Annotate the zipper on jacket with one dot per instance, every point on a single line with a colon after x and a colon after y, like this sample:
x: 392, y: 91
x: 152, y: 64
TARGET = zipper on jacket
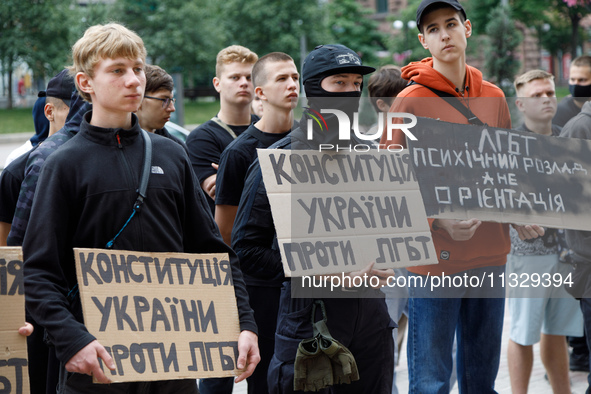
x: 119, y: 145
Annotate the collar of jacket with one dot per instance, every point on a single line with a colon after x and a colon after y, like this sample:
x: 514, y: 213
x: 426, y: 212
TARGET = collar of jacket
x: 110, y: 137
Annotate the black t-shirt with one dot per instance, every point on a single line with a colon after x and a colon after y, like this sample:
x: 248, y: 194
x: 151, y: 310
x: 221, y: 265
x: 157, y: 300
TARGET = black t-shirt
x: 236, y: 159
x: 206, y: 144
x: 11, y: 180
x: 567, y: 109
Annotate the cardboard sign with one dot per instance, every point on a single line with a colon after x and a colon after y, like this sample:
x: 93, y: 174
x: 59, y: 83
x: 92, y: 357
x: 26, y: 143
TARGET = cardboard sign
x: 160, y: 316
x: 337, y: 211
x: 14, y: 371
x: 502, y: 175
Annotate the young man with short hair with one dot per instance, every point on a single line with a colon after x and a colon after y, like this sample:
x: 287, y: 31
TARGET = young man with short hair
x: 276, y: 81
x: 579, y: 84
x: 158, y: 103
x: 206, y: 143
x: 84, y: 205
x: 57, y: 105
x: 464, y: 247
x: 554, y: 313
x: 579, y: 241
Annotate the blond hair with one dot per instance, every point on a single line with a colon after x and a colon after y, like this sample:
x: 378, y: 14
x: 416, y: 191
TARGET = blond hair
x: 529, y: 76
x: 234, y: 54
x: 100, y: 42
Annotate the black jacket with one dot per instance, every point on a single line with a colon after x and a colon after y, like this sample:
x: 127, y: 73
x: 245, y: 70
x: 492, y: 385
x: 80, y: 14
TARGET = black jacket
x: 85, y: 193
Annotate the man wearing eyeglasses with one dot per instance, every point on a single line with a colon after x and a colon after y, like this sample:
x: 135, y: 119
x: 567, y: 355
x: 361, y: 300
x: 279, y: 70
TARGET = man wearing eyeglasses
x: 158, y: 103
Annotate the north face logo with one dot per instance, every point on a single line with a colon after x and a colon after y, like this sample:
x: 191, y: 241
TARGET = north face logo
x: 348, y: 58
x: 157, y: 170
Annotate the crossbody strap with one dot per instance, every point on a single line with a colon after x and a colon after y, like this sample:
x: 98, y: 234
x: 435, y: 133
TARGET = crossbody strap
x: 143, y: 187
x: 455, y: 102
x: 224, y: 126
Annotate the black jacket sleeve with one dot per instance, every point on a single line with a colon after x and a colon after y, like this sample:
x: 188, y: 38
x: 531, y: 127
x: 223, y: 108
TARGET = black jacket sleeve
x: 253, y: 235
x: 202, y: 235
x: 49, y: 265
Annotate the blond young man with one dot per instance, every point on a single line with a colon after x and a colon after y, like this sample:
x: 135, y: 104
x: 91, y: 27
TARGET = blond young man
x: 554, y: 314
x: 85, y: 204
x: 233, y: 82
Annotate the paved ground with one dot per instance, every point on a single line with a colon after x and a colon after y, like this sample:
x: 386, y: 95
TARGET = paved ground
x: 9, y: 142
x: 538, y: 384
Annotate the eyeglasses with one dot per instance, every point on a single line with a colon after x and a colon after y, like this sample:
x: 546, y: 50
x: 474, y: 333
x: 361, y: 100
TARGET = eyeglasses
x: 165, y: 101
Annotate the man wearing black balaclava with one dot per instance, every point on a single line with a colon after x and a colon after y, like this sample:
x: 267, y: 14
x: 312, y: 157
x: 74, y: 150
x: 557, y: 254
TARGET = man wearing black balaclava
x: 333, y: 78
x: 579, y: 85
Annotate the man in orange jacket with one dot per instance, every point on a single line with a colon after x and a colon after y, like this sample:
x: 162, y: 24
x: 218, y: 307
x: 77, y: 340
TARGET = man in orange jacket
x: 469, y: 247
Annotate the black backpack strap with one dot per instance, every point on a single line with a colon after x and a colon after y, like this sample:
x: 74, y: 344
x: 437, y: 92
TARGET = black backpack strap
x: 455, y: 102
x: 143, y: 187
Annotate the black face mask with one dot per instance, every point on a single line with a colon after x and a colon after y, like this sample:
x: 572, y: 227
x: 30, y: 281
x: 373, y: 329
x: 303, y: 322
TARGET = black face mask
x: 318, y: 99
x: 580, y: 93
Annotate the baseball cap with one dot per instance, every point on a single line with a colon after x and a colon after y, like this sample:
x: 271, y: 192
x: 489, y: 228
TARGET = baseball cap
x: 331, y: 59
x: 61, y: 86
x: 427, y: 3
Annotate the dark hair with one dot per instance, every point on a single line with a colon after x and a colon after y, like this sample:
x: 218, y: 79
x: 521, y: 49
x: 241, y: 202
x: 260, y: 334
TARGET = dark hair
x: 157, y: 79
x: 259, y: 72
x: 387, y: 82
x: 439, y: 6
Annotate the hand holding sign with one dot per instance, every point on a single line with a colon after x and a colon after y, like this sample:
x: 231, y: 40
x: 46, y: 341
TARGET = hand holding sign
x: 26, y: 330
x: 529, y: 231
x: 369, y: 271
x: 458, y: 230
x: 248, y: 354
x: 86, y: 362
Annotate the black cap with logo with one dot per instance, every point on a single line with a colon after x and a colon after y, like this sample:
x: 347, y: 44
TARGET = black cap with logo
x: 61, y: 86
x: 427, y: 3
x: 331, y: 59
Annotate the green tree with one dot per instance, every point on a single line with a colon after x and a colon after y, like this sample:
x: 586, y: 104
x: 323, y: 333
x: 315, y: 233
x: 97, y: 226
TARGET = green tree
x: 504, y: 38
x: 274, y: 25
x: 180, y: 36
x: 405, y: 44
x: 556, y: 21
x: 349, y: 24
x: 36, y: 32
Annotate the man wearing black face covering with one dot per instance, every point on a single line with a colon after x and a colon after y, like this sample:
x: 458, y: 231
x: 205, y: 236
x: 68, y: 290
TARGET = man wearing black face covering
x: 579, y: 85
x: 332, y: 77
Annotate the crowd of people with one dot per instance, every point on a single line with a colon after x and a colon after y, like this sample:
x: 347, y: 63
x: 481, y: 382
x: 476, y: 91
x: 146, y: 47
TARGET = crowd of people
x: 76, y: 182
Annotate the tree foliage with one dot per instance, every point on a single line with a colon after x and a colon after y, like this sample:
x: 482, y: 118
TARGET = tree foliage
x: 556, y: 21
x: 180, y: 36
x: 404, y: 43
x: 349, y: 25
x: 504, y: 37
x: 37, y: 32
x: 274, y: 25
